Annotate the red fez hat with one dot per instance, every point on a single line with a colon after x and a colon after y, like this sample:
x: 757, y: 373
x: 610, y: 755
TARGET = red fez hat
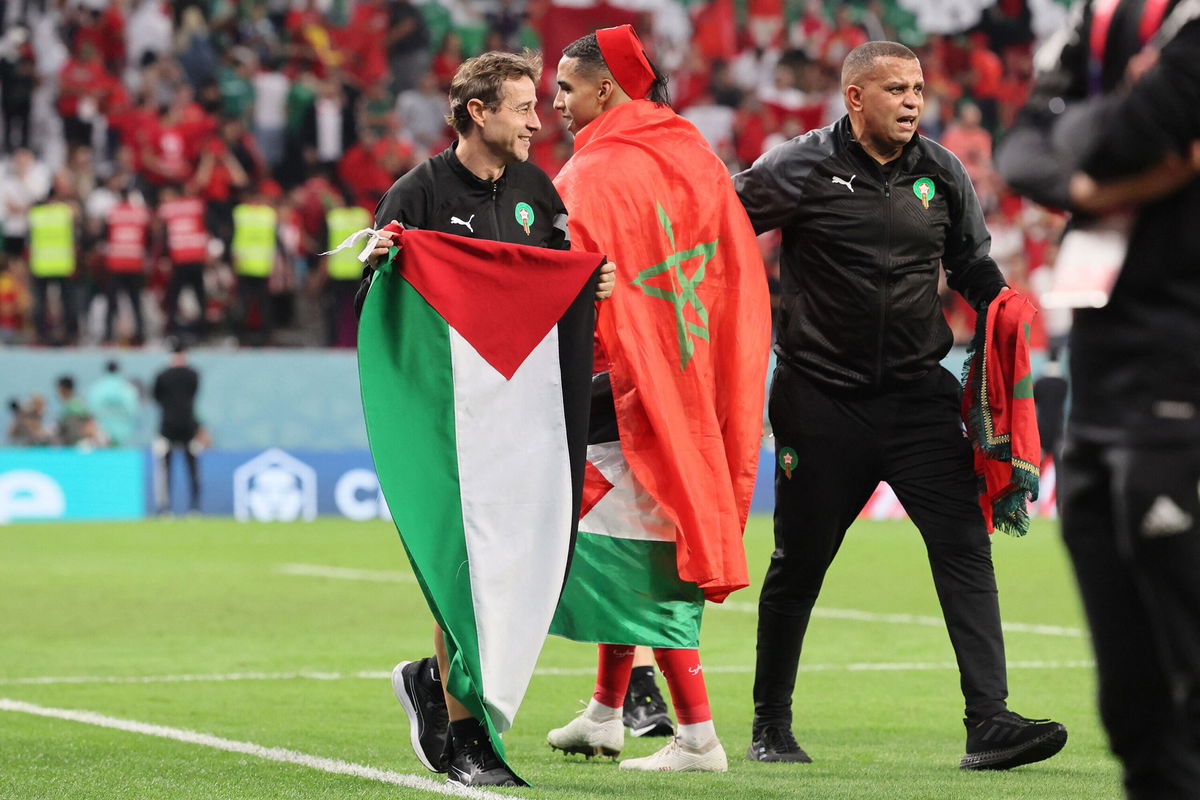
x: 626, y: 58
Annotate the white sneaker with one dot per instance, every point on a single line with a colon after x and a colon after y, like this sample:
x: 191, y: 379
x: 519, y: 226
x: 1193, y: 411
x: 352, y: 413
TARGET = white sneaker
x: 590, y: 738
x: 679, y: 757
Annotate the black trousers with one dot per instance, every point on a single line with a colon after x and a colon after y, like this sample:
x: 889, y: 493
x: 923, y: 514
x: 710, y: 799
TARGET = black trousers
x: 186, y: 275
x: 1131, y: 521
x: 67, y: 290
x: 841, y: 448
x: 165, y: 448
x: 341, y: 326
x: 130, y: 284
x: 254, y: 292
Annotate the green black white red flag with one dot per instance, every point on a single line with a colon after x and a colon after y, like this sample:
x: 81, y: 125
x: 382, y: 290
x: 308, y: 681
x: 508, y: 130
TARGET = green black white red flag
x: 475, y: 367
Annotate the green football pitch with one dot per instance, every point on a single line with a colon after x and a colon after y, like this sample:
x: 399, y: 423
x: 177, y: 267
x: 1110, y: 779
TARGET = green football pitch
x: 202, y: 658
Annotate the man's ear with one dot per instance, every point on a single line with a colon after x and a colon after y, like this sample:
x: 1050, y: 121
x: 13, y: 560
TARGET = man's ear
x: 475, y: 108
x: 854, y: 96
x: 604, y: 90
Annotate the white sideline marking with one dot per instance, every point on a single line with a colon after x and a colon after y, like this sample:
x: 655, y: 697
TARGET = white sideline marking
x: 279, y: 754
x: 388, y: 576
x: 907, y: 619
x: 347, y: 573
x: 551, y: 672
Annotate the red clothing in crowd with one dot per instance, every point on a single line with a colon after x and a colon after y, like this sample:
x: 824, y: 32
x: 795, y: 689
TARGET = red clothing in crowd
x: 80, y: 79
x: 219, y: 186
x: 127, y: 226
x: 167, y: 158
x: 369, y: 170
x: 107, y: 36
x: 187, y: 235
x: 364, y: 36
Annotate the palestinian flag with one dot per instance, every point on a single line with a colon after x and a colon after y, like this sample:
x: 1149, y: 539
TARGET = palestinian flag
x: 475, y: 368
x: 624, y: 586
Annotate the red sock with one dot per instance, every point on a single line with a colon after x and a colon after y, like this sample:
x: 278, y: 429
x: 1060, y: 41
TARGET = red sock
x: 685, y: 679
x: 612, y: 674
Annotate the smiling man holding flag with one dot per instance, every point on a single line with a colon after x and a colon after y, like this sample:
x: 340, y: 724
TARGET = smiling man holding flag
x: 475, y: 362
x: 681, y: 352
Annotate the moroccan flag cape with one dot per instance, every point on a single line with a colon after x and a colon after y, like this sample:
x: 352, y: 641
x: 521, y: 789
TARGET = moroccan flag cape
x: 686, y: 333
x: 475, y: 366
x: 999, y: 413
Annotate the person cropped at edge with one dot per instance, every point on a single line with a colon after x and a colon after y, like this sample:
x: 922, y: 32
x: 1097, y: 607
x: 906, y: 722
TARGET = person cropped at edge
x: 869, y: 209
x: 477, y: 188
x: 1131, y: 464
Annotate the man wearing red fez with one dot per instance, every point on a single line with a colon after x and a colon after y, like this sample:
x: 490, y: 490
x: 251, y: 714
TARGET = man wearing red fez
x: 681, y: 356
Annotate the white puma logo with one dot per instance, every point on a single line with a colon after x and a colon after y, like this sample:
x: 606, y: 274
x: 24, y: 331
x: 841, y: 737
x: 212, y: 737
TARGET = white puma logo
x: 845, y: 182
x: 466, y: 224
x: 695, y: 670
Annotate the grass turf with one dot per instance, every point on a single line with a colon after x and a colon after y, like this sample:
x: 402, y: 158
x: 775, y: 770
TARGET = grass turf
x: 877, y: 701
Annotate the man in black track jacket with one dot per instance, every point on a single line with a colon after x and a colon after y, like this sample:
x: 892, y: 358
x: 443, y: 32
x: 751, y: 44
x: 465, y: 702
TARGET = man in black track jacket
x: 869, y: 211
x: 481, y: 187
x: 1130, y: 472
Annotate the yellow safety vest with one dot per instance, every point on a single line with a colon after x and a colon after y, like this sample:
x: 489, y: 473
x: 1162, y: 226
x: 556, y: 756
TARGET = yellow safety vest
x: 342, y: 222
x: 253, y: 240
x: 51, y: 241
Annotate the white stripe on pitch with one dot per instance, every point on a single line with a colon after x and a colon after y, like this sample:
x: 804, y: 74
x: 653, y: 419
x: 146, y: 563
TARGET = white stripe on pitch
x: 347, y: 573
x: 548, y: 672
x: 279, y: 754
x: 906, y: 619
x: 852, y: 614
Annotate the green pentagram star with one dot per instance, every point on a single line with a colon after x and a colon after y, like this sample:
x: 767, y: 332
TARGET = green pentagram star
x: 682, y: 291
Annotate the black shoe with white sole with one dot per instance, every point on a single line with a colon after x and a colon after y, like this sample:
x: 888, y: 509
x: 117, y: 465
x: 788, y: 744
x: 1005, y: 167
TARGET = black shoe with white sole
x: 418, y: 687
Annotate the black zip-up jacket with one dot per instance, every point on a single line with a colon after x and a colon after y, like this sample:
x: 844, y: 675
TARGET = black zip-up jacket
x: 861, y: 251
x: 1135, y: 363
x: 440, y: 194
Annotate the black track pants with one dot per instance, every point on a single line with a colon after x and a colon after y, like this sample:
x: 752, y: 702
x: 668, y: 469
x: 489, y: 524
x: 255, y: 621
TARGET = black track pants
x: 843, y: 447
x: 1131, y: 521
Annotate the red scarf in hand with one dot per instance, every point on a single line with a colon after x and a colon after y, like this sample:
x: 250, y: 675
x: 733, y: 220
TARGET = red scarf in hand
x: 998, y: 410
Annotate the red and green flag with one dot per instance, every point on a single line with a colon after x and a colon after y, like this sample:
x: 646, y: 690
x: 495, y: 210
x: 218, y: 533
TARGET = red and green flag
x: 685, y: 338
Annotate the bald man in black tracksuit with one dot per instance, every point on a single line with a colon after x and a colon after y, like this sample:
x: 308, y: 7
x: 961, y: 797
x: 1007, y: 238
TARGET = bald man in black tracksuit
x: 869, y: 211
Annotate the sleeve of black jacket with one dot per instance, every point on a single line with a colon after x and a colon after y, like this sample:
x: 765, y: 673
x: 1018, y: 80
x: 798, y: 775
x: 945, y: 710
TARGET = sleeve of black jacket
x: 1160, y: 115
x: 1030, y: 158
x: 402, y: 203
x: 772, y: 189
x: 970, y: 269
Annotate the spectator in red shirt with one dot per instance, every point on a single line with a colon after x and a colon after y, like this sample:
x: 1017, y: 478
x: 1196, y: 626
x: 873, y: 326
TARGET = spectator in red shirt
x: 365, y: 35
x: 846, y: 35
x: 370, y: 168
x: 83, y: 85
x: 182, y: 231
x: 229, y: 160
x: 447, y: 59
x: 125, y: 255
x: 971, y: 142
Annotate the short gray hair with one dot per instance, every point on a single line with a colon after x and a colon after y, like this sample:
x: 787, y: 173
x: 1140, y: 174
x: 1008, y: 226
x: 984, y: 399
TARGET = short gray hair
x: 862, y: 59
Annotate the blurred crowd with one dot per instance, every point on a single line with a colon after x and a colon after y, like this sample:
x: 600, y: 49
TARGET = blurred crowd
x: 107, y: 414
x: 174, y: 168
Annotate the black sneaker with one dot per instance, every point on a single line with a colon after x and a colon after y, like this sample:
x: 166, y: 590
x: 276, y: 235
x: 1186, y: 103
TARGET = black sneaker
x: 776, y: 743
x: 418, y: 687
x: 1009, y: 740
x: 476, y: 764
x: 645, y: 713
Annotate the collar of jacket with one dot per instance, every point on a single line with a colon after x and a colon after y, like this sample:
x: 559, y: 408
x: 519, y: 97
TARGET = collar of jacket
x: 468, y: 177
x: 908, y: 156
